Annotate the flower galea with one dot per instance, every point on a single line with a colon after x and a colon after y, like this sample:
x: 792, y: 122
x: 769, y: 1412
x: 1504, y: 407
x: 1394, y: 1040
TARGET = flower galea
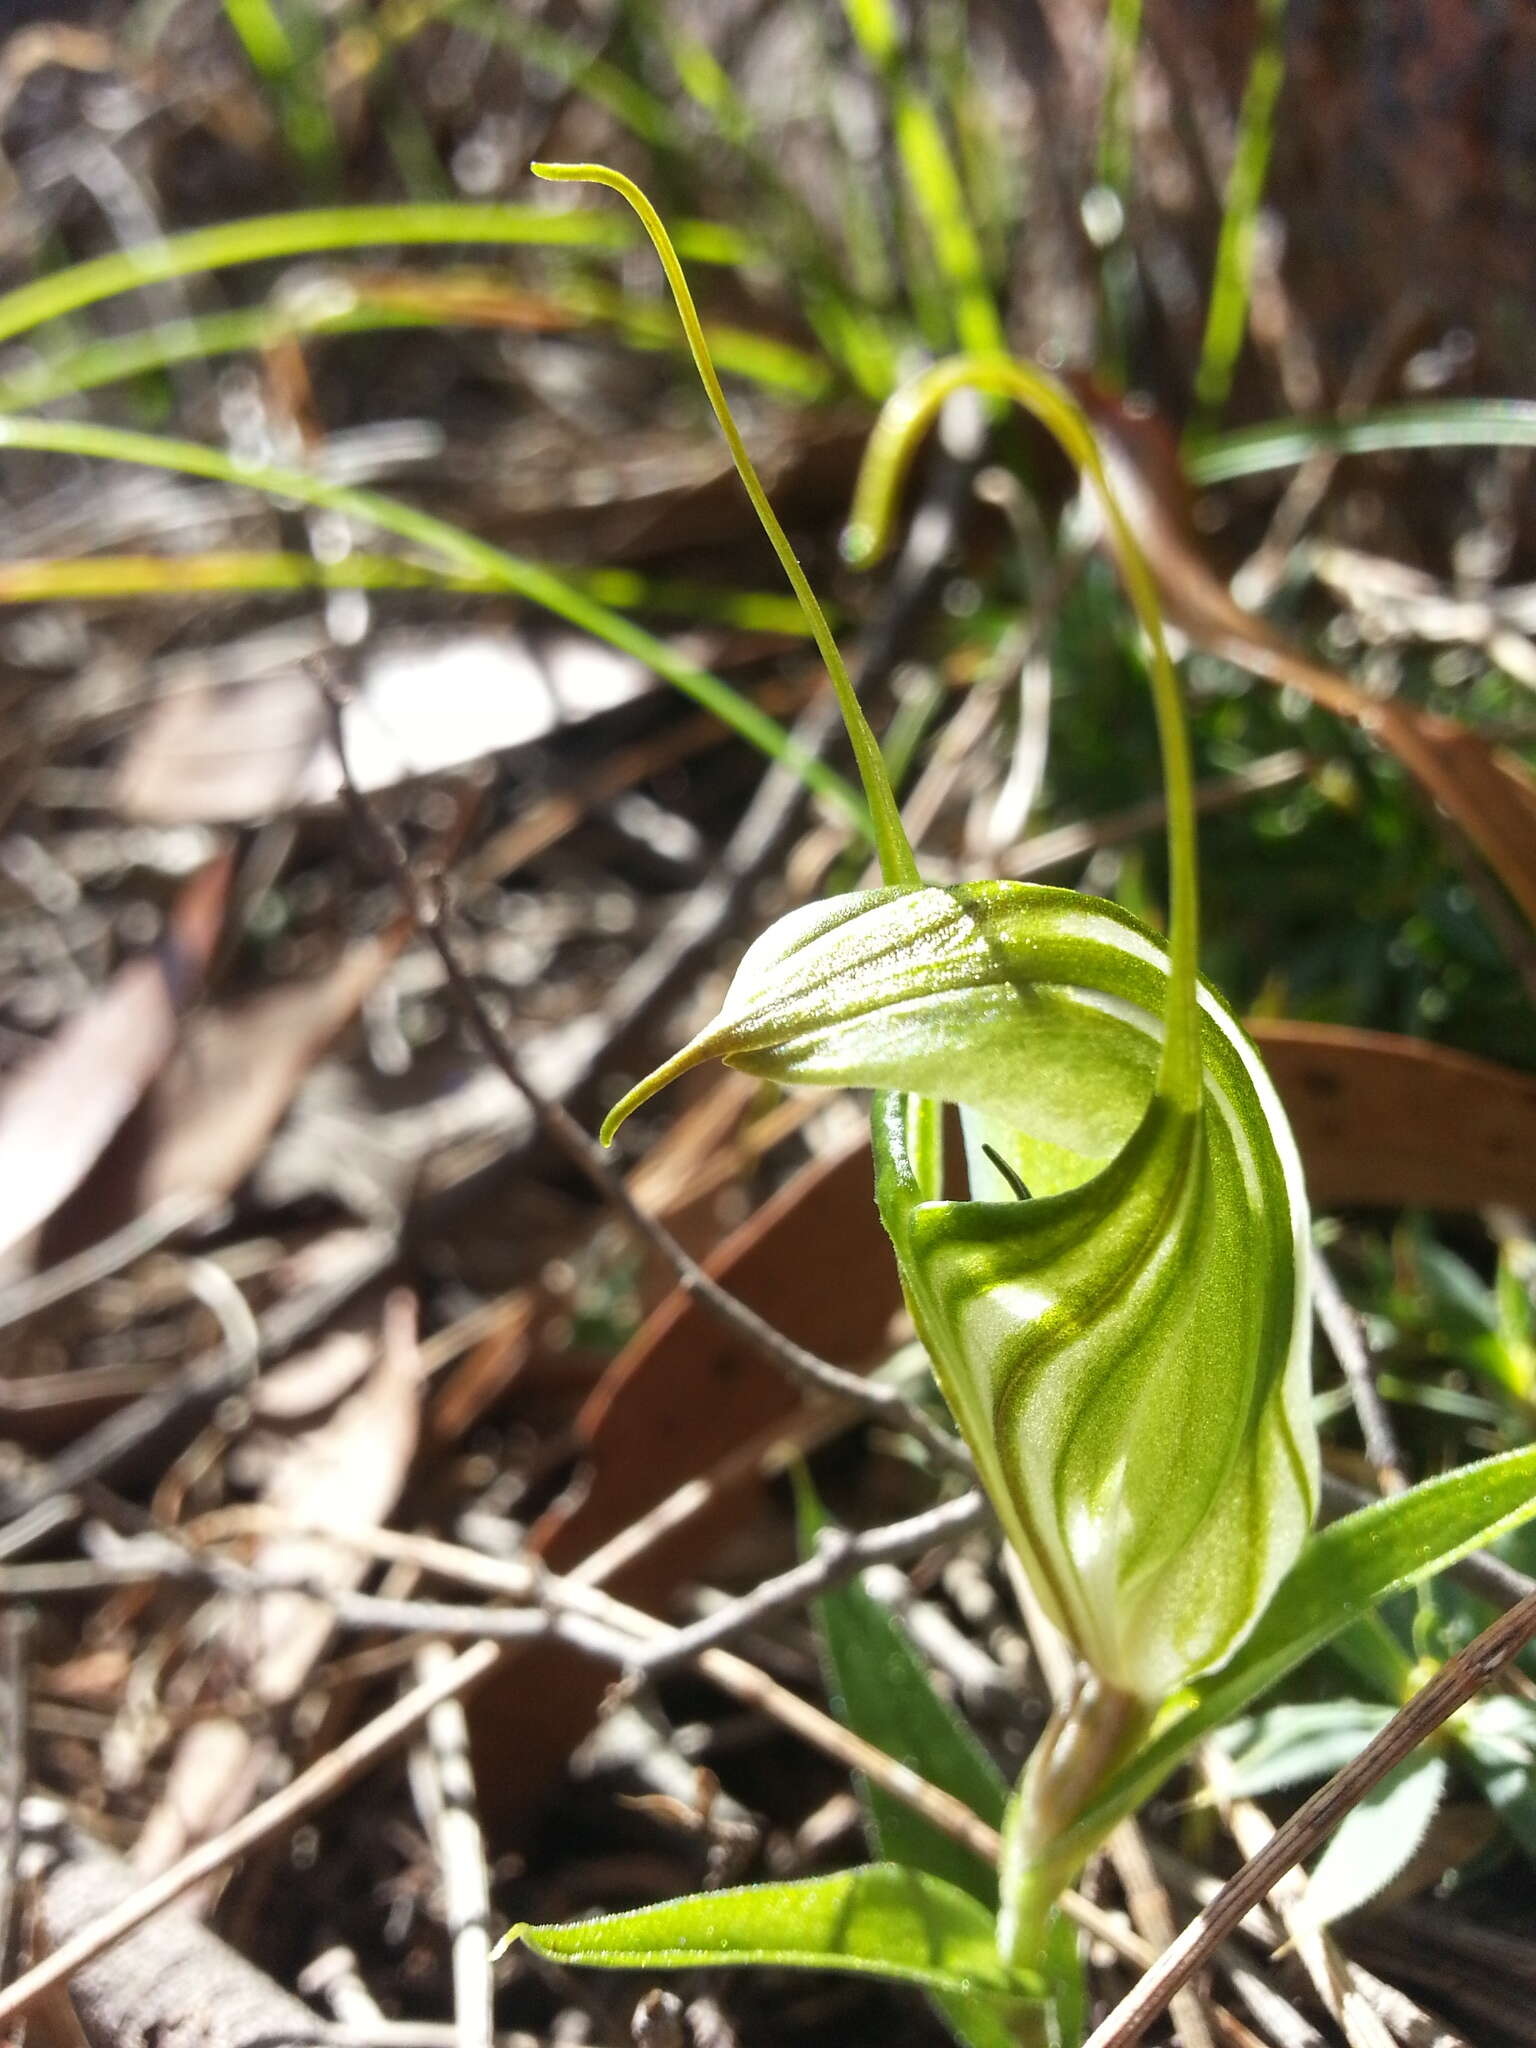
x: 1118, y: 1314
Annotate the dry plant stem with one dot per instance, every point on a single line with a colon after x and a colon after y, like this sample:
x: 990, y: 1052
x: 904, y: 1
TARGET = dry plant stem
x: 800, y: 1366
x: 1152, y: 1916
x: 839, y: 1556
x: 442, y: 1771
x: 1341, y: 1326
x: 15, y: 1643
x: 99, y: 1261
x: 1451, y: 1687
x: 155, y: 1557
x: 1334, y: 1977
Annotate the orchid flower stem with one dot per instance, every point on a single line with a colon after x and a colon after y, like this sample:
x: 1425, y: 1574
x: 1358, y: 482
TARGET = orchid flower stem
x: 898, y: 433
x: 898, y: 864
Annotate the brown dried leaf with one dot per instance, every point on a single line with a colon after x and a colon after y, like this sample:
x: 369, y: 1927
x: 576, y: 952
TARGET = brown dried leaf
x: 682, y: 1395
x: 236, y: 751
x: 1485, y: 789
x: 205, y: 1121
x: 61, y: 1110
x: 1399, y: 1122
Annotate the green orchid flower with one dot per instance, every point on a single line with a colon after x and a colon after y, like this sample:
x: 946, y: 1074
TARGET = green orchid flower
x: 1118, y: 1314
x: 1125, y: 1348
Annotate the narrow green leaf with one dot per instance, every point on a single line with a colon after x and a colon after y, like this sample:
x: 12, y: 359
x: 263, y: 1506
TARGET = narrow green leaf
x: 1294, y: 1744
x: 1341, y: 1574
x: 933, y: 180
x: 532, y: 580
x: 1498, y: 1747
x: 881, y: 1690
x: 275, y: 236
x: 349, y: 304
x: 1227, y: 314
x: 1376, y: 1841
x: 880, y: 1921
x: 1117, y: 129
x: 1437, y: 423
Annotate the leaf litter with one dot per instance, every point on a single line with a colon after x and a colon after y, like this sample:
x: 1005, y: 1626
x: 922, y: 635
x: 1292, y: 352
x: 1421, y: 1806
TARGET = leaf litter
x: 559, y: 1386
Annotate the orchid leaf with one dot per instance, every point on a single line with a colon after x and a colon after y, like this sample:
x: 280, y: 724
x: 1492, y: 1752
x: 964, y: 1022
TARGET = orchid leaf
x: 1341, y: 1574
x: 881, y: 1921
x: 1376, y: 1841
x: 1293, y: 1745
x: 881, y: 1689
x: 1498, y: 1748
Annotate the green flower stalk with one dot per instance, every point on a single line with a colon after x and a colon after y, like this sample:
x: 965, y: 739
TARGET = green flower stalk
x: 1117, y: 1315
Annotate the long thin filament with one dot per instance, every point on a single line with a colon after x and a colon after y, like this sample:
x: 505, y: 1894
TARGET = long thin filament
x: 897, y: 861
x: 898, y: 433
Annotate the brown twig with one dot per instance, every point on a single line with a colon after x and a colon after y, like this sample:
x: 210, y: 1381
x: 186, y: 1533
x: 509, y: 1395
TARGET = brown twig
x: 443, y: 1778
x: 1341, y: 1326
x: 1337, y: 1981
x: 840, y: 1555
x: 1451, y: 1687
x: 15, y: 1643
x: 802, y: 1367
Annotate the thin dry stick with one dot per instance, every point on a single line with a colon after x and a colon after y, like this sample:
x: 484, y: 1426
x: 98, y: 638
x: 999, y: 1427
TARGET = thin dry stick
x: 839, y: 1556
x: 15, y: 1644
x: 1451, y: 1687
x: 800, y: 1366
x: 1341, y: 1326
x: 1334, y: 1977
x: 310, y: 1788
x: 1152, y: 1915
x: 99, y: 1261
x: 444, y: 1779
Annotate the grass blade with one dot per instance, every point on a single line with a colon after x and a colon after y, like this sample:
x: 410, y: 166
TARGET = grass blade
x: 319, y: 230
x: 1436, y: 423
x: 530, y: 580
x: 1226, y: 319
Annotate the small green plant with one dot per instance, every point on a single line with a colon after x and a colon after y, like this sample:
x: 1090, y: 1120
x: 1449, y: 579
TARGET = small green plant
x: 1117, y: 1316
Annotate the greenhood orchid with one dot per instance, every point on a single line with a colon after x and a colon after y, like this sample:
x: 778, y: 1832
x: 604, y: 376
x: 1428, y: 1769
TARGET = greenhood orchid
x: 1125, y: 1352
x: 1118, y: 1315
